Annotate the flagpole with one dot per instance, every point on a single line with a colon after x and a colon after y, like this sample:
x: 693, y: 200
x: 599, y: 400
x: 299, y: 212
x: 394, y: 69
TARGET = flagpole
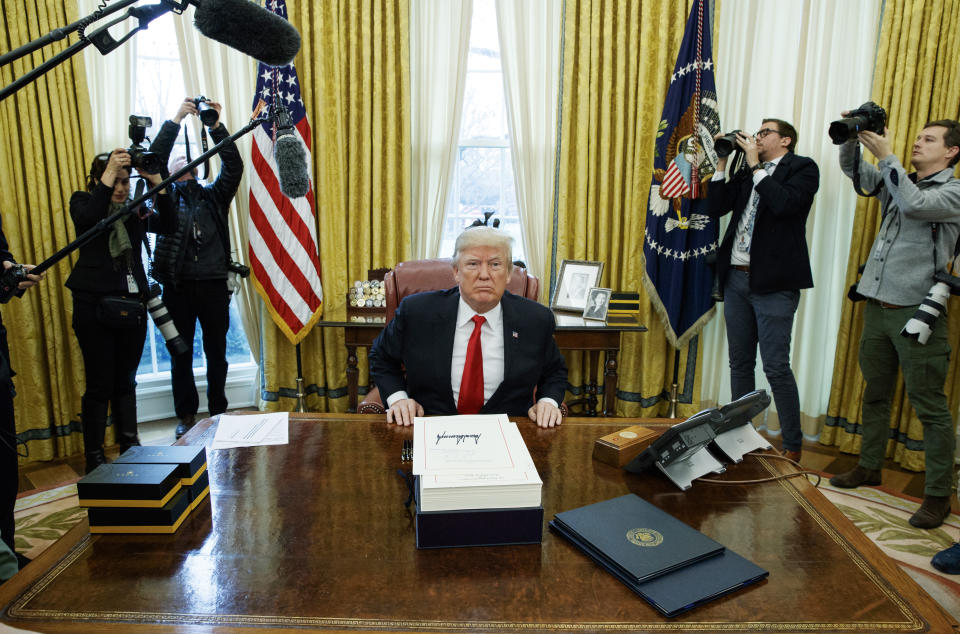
x: 673, y: 388
x: 301, y: 407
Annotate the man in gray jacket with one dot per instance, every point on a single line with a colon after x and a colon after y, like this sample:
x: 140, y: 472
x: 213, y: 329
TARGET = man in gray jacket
x: 921, y: 221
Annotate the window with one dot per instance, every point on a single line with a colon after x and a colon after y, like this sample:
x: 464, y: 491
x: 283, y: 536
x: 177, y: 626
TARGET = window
x: 159, y: 99
x: 483, y: 175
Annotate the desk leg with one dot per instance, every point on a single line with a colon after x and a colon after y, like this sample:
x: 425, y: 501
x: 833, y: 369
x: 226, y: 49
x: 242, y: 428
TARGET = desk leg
x: 591, y: 405
x: 610, y: 383
x: 353, y: 376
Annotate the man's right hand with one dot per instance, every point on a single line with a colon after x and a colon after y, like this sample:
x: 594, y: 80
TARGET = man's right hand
x: 403, y: 412
x: 187, y: 107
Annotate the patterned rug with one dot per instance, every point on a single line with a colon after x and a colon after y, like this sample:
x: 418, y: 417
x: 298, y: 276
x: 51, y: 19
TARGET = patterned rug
x: 44, y: 516
x: 884, y: 517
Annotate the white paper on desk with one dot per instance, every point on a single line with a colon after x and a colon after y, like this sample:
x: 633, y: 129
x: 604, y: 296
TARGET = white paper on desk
x: 251, y: 430
x: 447, y: 444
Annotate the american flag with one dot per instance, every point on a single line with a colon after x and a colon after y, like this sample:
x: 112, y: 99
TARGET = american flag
x: 283, y: 252
x: 679, y: 235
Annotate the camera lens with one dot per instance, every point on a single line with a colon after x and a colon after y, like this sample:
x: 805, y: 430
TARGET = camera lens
x: 725, y: 145
x: 208, y: 115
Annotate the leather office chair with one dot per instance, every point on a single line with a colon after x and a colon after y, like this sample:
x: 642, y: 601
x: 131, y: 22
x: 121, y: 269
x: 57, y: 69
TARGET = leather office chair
x: 417, y: 276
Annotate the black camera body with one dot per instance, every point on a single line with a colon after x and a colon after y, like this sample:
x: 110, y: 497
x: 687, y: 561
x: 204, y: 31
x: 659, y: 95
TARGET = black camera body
x: 869, y: 116
x: 10, y: 281
x: 208, y: 114
x: 140, y: 158
x: 727, y: 144
x: 238, y: 269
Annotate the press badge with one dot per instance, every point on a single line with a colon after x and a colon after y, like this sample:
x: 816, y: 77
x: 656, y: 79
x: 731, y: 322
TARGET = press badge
x: 132, y: 284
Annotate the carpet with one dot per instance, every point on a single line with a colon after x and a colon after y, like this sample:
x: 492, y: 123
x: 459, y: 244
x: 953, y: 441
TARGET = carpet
x: 884, y: 517
x: 43, y: 517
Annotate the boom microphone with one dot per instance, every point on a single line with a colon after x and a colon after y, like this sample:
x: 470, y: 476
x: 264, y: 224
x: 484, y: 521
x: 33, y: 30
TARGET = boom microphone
x: 249, y: 28
x: 291, y: 157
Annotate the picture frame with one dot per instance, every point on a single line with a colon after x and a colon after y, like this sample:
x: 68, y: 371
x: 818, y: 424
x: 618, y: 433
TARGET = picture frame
x: 598, y: 302
x: 576, y: 278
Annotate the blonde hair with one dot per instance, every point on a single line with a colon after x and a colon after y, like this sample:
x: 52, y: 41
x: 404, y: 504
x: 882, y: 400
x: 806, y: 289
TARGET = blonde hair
x: 484, y: 237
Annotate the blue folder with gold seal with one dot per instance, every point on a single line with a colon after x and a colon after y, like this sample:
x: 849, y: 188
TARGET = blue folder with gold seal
x: 635, y: 537
x: 670, y: 587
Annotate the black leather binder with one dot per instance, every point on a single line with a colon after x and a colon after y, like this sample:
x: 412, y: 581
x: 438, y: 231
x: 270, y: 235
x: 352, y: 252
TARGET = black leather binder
x: 634, y: 537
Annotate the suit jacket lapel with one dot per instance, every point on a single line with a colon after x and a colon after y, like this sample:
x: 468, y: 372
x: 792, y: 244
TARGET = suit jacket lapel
x: 511, y: 325
x: 445, y: 326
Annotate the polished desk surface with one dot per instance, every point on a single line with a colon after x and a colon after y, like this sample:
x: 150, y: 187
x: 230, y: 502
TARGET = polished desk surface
x: 314, y: 534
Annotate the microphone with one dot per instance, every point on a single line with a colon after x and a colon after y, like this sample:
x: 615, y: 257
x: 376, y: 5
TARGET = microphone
x: 248, y: 28
x: 290, y: 155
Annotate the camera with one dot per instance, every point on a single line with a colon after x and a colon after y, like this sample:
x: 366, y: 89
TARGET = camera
x: 208, y: 114
x: 164, y: 322
x: 140, y: 158
x: 727, y: 144
x: 236, y: 270
x: 869, y: 116
x: 10, y: 281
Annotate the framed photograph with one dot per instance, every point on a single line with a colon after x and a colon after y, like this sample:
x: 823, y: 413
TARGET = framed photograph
x: 576, y: 278
x: 598, y: 301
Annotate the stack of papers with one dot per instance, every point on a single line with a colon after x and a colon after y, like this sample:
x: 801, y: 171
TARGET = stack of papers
x: 251, y: 430
x: 473, y: 462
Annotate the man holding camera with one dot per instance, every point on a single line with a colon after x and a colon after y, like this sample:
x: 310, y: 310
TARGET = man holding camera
x: 9, y: 476
x: 762, y: 262
x: 192, y: 263
x: 921, y: 221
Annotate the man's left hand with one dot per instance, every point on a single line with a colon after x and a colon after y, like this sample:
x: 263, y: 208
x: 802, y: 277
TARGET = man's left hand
x: 749, y: 146
x: 545, y: 414
x: 878, y: 145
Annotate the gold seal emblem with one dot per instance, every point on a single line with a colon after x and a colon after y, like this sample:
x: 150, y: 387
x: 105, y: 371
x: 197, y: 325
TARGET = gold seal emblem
x: 645, y: 537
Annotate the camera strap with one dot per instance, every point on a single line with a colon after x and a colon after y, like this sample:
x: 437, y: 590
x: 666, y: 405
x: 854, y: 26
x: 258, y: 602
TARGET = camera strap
x: 856, y: 178
x: 203, y: 144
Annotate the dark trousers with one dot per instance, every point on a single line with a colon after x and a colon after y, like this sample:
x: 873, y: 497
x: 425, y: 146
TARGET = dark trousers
x: 9, y: 476
x: 206, y: 301
x: 110, y: 355
x: 883, y: 352
x: 763, y: 320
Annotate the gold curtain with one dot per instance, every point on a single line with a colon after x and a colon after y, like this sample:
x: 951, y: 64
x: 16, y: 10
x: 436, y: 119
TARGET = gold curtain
x: 916, y: 79
x: 45, y: 148
x: 355, y: 76
x: 617, y: 61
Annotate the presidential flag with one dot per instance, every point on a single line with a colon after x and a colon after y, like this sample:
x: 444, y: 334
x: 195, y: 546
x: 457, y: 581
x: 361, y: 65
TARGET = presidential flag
x: 283, y: 252
x: 679, y: 236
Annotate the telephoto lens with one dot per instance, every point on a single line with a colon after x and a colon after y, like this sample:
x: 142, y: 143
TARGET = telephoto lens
x: 921, y: 324
x: 164, y: 322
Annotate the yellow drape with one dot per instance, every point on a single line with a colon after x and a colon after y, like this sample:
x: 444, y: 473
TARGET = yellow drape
x: 44, y: 150
x: 355, y: 76
x: 617, y: 61
x: 917, y: 79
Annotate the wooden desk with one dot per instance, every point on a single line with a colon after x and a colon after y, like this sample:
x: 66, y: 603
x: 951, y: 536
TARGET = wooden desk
x: 314, y: 534
x: 572, y: 333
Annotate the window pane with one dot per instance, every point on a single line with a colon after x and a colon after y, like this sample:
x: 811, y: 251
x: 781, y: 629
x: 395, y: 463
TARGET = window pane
x: 484, y: 112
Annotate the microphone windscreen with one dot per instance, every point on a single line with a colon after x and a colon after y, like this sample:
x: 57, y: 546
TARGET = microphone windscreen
x: 249, y: 28
x: 291, y: 159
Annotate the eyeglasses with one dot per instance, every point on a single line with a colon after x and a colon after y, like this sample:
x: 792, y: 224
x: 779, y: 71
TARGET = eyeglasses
x: 765, y: 131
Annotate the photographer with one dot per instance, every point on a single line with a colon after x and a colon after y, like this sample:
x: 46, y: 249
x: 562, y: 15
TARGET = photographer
x: 109, y: 284
x: 762, y: 262
x: 921, y: 221
x: 192, y: 264
x: 9, y: 477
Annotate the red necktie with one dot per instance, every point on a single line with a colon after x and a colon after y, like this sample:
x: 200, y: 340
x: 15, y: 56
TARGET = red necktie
x: 471, y: 385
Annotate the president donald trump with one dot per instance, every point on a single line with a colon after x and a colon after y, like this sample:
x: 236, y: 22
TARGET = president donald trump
x: 475, y: 348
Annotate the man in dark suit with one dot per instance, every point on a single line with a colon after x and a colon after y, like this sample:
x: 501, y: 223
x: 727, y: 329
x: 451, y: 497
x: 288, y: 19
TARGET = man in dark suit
x: 475, y: 348
x: 762, y: 262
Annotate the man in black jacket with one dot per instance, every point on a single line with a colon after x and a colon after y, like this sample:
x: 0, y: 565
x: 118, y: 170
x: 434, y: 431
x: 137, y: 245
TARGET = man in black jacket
x: 191, y: 264
x: 9, y: 477
x: 763, y: 262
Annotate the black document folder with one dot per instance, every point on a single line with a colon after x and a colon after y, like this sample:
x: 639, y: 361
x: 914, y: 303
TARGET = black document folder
x: 687, y: 587
x: 634, y: 537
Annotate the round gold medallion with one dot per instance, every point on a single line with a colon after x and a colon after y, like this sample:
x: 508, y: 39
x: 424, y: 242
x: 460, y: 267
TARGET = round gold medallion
x: 645, y: 537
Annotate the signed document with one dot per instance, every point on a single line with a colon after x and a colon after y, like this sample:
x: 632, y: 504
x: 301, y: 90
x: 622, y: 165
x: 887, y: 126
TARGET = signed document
x: 473, y: 462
